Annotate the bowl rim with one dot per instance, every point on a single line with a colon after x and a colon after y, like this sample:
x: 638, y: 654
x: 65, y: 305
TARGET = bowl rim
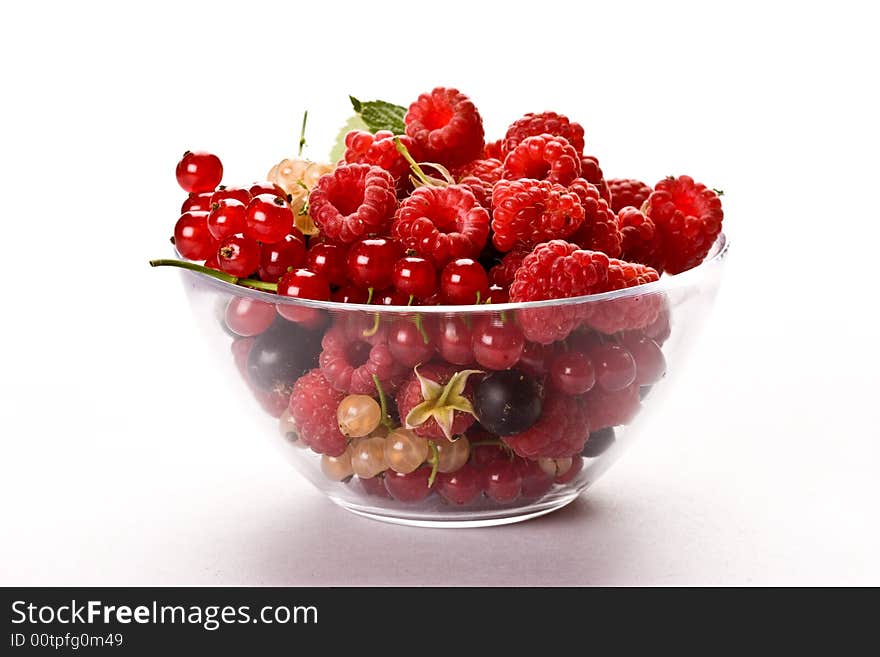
x: 713, y: 260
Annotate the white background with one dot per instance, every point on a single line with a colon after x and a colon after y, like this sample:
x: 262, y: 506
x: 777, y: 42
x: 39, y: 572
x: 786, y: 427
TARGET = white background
x: 126, y: 461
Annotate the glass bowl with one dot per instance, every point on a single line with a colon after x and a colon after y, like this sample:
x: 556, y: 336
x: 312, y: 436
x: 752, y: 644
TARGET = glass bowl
x: 512, y: 362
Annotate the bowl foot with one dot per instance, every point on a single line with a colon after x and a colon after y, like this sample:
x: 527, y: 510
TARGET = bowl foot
x: 460, y: 518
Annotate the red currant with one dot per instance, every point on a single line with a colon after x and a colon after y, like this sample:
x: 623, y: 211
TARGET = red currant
x: 371, y: 262
x: 199, y: 171
x: 329, y: 260
x: 389, y: 297
x: 350, y: 294
x: 374, y: 486
x: 503, y: 480
x: 464, y: 282
x: 536, y: 358
x: 269, y: 218
x: 535, y: 482
x: 267, y: 187
x: 650, y: 363
x: 410, y: 342
x: 497, y: 344
x: 454, y: 340
x: 411, y: 487
x: 615, y: 366
x: 192, y: 238
x: 415, y: 276
x: 227, y: 217
x: 460, y: 487
x: 240, y: 350
x: 211, y: 262
x: 197, y: 202
x: 498, y: 294
x: 303, y: 284
x: 239, y: 256
x: 246, y: 316
x: 277, y: 258
x: 572, y: 373
x: 660, y: 330
x: 224, y: 192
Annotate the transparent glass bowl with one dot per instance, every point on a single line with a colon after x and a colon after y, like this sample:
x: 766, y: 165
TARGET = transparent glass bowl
x: 266, y: 365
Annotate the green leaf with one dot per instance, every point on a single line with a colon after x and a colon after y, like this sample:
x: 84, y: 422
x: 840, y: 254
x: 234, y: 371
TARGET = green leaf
x: 354, y: 123
x: 380, y: 115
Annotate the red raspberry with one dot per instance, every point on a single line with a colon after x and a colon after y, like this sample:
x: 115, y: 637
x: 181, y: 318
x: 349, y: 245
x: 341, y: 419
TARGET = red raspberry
x: 313, y: 404
x: 350, y: 359
x: 599, y: 231
x: 549, y: 123
x: 442, y: 224
x: 353, y: 201
x: 446, y: 126
x: 688, y: 216
x: 610, y: 409
x: 410, y: 395
x: 591, y: 172
x: 533, y: 211
x: 556, y: 270
x: 639, y: 238
x: 487, y: 170
x: 361, y: 147
x: 543, y: 157
x: 627, y: 191
x: 628, y: 313
x: 492, y: 149
x: 561, y: 431
x: 503, y: 273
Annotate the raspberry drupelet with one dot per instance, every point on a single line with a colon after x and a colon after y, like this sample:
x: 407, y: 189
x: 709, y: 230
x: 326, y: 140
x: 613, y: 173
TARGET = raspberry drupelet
x: 561, y: 431
x: 591, y: 172
x: 599, y: 230
x: 639, y: 238
x: 351, y: 355
x: 446, y: 127
x: 379, y: 149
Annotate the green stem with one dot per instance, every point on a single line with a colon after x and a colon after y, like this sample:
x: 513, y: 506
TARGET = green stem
x: 383, y: 403
x: 373, y: 329
x: 302, y: 134
x: 435, y: 462
x: 213, y: 273
x: 421, y: 326
x: 420, y: 174
x: 369, y: 295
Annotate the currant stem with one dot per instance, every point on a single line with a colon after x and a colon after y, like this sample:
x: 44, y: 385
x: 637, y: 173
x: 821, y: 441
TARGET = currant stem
x: 302, y: 134
x: 421, y: 326
x: 373, y: 329
x: 383, y: 403
x: 369, y: 295
x: 435, y: 462
x: 213, y: 273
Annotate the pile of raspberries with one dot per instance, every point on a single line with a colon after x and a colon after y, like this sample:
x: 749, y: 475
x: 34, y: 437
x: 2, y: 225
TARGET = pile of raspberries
x: 509, y: 199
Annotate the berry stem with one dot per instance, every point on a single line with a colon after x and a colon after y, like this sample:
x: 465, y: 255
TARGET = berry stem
x: 421, y: 326
x: 302, y: 134
x: 403, y: 150
x: 435, y: 462
x: 213, y: 273
x: 383, y: 403
x: 367, y: 333
x: 370, y: 295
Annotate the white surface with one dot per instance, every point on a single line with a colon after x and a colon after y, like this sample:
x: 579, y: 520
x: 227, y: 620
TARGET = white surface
x: 125, y: 462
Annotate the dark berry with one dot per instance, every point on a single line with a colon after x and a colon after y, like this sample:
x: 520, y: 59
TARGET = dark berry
x: 282, y: 354
x: 598, y: 442
x: 508, y: 402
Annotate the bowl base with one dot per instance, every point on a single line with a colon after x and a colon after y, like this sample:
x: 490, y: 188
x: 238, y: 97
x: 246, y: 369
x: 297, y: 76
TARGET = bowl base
x: 460, y: 519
